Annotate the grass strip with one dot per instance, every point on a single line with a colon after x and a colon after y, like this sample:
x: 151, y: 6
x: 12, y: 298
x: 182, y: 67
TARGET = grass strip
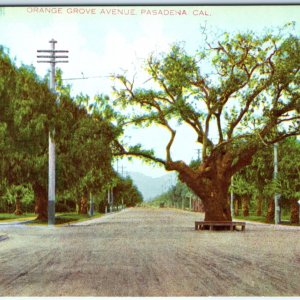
x: 65, y: 218
x: 4, y: 217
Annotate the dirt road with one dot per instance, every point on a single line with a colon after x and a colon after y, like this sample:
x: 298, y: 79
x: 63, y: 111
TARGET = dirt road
x: 149, y: 252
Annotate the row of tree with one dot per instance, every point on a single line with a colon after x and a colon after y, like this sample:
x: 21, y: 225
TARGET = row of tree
x: 255, y: 186
x: 177, y: 196
x: 84, y: 136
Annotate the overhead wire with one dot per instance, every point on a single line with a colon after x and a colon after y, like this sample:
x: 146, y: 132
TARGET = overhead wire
x: 85, y: 77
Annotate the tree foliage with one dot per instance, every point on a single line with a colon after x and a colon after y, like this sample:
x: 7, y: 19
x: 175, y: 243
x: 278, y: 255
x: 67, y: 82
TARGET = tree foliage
x: 125, y: 192
x: 258, y: 178
x: 83, y: 135
x: 27, y: 107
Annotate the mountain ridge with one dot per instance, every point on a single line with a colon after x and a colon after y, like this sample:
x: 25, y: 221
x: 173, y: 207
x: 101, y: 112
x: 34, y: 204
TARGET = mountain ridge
x: 151, y: 187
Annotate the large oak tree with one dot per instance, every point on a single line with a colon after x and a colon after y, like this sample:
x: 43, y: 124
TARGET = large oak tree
x: 245, y: 86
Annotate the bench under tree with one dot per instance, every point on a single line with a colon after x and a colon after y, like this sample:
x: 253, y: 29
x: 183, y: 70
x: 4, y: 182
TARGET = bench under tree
x: 221, y: 225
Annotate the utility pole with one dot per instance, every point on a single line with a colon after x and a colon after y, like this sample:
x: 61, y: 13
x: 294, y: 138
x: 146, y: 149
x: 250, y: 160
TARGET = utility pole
x: 91, y: 205
x: 117, y: 165
x: 276, y: 197
x: 52, y: 59
x: 109, y: 200
x: 198, y: 153
x: 112, y: 198
x: 123, y: 171
x: 299, y: 210
x: 232, y: 199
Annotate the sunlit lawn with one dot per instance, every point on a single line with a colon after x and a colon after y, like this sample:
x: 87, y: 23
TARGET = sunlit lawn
x: 12, y: 217
x: 60, y: 218
x: 64, y: 218
x: 262, y: 219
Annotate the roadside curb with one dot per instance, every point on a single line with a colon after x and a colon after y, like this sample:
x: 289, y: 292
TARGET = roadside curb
x: 3, y: 237
x: 272, y: 226
x: 103, y: 217
x: 15, y: 223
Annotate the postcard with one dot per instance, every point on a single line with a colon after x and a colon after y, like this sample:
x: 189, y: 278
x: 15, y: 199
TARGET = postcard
x: 149, y: 150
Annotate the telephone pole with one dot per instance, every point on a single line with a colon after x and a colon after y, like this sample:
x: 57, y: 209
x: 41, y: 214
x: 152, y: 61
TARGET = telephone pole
x: 123, y: 172
x: 276, y: 197
x: 110, y: 199
x: 91, y: 211
x: 51, y: 58
x: 198, y: 153
x: 232, y: 199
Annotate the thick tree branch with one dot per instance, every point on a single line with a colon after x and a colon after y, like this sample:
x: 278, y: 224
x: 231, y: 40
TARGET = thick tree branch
x: 181, y: 167
x: 283, y: 136
x: 169, y: 145
x: 220, y: 132
x: 121, y: 151
x: 244, y: 158
x: 141, y: 155
x: 205, y: 140
x: 274, y: 118
x: 288, y: 119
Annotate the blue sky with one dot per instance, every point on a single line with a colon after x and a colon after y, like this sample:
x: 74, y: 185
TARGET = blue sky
x: 105, y: 43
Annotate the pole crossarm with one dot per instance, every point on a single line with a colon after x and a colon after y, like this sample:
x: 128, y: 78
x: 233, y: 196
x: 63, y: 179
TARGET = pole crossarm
x: 53, y: 51
x: 46, y: 61
x: 52, y: 55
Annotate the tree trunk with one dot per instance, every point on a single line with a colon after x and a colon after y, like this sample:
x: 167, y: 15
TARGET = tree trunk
x: 213, y: 189
x: 245, y: 203
x: 18, y: 210
x: 294, y: 211
x: 271, y: 211
x: 84, y: 205
x: 236, y: 207
x: 41, y: 202
x: 217, y: 210
x: 215, y: 202
x: 259, y: 206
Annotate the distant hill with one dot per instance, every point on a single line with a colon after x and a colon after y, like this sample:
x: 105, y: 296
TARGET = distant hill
x: 151, y: 187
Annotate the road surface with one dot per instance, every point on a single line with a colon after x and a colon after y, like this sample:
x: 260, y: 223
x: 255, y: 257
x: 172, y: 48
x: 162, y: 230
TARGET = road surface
x: 149, y: 252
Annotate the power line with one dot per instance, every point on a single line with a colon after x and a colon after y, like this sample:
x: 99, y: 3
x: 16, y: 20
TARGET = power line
x: 85, y: 77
